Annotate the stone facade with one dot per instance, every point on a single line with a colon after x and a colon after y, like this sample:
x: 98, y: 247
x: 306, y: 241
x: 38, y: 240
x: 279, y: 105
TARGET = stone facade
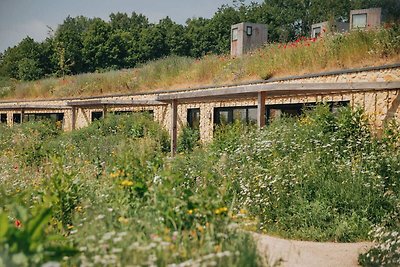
x: 380, y: 105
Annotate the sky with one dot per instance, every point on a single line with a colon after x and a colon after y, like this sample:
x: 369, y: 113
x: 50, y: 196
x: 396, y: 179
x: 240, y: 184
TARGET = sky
x: 21, y: 18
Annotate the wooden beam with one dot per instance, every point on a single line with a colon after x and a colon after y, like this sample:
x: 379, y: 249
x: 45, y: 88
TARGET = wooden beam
x: 174, y: 124
x: 279, y: 88
x: 261, y: 109
x: 32, y: 107
x: 112, y: 102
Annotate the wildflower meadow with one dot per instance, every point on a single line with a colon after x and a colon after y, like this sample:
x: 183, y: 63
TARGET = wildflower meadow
x: 110, y: 194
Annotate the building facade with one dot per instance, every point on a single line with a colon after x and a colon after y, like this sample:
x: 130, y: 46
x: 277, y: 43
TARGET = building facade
x: 375, y: 89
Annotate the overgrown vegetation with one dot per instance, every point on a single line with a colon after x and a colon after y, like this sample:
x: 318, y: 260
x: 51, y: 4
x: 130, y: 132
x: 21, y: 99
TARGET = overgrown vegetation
x: 304, y: 55
x: 111, y: 191
x: 117, y: 198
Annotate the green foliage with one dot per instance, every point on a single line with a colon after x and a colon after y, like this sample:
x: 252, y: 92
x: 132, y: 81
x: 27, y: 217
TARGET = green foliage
x: 28, y: 70
x: 311, y: 178
x: 334, y: 51
x: 81, y: 44
x: 188, y: 140
x: 25, y: 242
x: 115, y: 194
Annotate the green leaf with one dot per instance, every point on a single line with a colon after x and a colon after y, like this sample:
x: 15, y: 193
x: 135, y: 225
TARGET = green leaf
x: 3, y: 225
x: 35, y: 226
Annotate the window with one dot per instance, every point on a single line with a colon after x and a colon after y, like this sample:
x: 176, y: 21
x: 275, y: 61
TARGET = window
x: 289, y: 110
x: 3, y: 118
x: 231, y: 114
x: 54, y: 117
x: 249, y: 30
x: 336, y: 105
x: 234, y: 34
x: 359, y: 20
x: 193, y: 118
x: 128, y: 112
x: 228, y: 115
x: 316, y: 32
x: 16, y: 118
x: 97, y: 115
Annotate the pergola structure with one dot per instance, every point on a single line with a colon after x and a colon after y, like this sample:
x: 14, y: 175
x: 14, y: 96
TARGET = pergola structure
x: 105, y: 103
x: 24, y: 107
x: 260, y: 92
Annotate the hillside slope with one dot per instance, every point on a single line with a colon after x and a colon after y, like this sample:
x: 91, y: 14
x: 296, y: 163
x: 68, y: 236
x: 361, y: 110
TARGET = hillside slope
x: 336, y: 51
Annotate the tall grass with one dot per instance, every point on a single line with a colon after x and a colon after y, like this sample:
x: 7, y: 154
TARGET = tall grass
x: 334, y: 51
x: 112, y: 192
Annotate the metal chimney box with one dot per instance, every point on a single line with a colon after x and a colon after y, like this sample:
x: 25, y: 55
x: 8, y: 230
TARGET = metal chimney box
x: 247, y: 36
x: 365, y: 18
x: 320, y: 29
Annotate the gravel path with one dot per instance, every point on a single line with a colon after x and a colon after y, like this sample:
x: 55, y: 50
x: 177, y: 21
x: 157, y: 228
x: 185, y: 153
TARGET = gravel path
x: 302, y: 253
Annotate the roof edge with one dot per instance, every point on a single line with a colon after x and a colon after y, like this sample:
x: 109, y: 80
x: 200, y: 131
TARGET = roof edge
x: 260, y: 81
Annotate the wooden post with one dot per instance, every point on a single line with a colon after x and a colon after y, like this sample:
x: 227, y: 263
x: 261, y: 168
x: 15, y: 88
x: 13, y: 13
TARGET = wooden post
x: 261, y: 109
x: 22, y: 115
x: 73, y: 117
x: 104, y: 111
x: 174, y: 123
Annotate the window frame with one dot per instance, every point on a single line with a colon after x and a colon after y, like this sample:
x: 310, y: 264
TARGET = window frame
x: 235, y: 34
x: 249, y: 30
x: 316, y: 34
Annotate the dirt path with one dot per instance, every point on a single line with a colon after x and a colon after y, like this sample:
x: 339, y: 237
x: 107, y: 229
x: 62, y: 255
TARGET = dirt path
x: 310, y: 254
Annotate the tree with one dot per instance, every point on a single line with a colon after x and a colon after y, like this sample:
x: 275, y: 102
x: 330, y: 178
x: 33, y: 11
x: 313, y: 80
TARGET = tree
x: 220, y: 28
x: 29, y: 70
x: 200, y: 37
x: 95, y: 49
x: 68, y: 45
x: 175, y: 39
x: 26, y: 49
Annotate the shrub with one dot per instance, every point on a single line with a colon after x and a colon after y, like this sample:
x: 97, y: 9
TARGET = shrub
x: 188, y: 140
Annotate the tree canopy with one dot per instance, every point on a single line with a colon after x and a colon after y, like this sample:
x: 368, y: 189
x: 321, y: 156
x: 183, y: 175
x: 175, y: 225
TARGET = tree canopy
x: 83, y: 44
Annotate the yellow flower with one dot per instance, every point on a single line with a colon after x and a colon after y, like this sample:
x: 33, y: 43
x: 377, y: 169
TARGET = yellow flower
x: 221, y: 210
x: 190, y: 212
x: 126, y: 183
x: 123, y: 220
x: 78, y: 208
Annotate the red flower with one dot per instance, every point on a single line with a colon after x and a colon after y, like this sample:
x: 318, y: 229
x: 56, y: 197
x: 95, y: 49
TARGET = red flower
x: 18, y: 223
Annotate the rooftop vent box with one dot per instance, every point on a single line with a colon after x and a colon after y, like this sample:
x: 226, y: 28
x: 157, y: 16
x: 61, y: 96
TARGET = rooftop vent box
x: 247, y: 36
x: 365, y: 18
x: 320, y: 29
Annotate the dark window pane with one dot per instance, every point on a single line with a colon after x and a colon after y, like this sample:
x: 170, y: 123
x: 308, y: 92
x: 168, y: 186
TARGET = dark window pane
x: 239, y: 114
x: 252, y: 115
x: 97, y: 115
x: 359, y: 20
x: 3, y: 118
x: 17, y: 118
x: 193, y: 118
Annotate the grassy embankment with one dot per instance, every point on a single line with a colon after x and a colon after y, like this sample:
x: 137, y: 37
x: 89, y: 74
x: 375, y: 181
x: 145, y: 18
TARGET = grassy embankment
x: 117, y: 198
x: 355, y: 49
